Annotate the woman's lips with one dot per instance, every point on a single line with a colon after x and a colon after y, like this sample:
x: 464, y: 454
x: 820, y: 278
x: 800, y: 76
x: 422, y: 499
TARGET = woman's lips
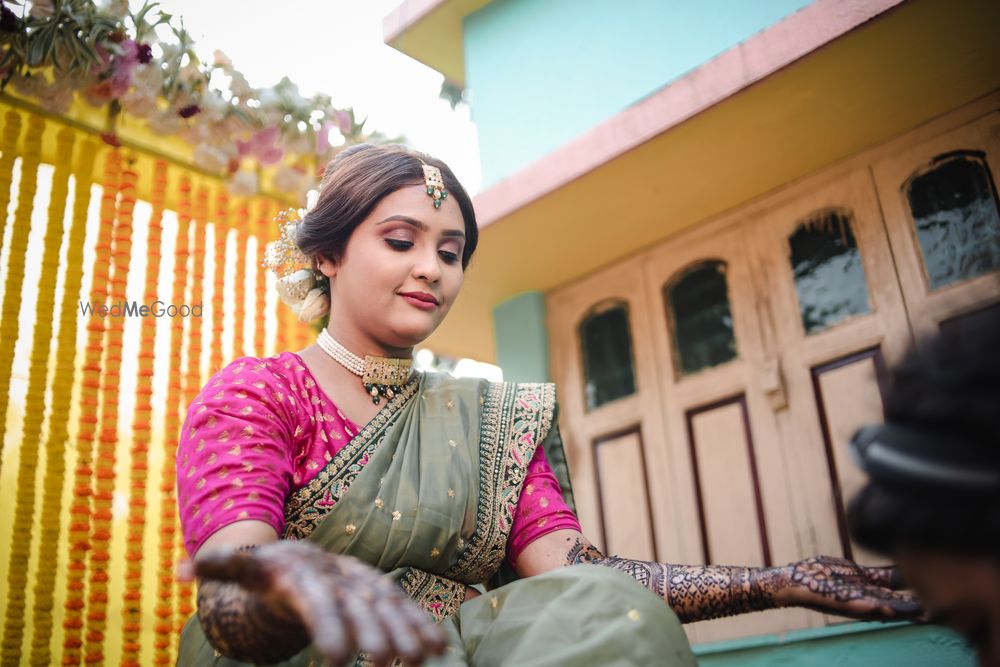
x: 423, y: 302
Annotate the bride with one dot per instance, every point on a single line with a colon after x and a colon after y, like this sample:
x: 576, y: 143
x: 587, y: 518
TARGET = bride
x: 339, y: 506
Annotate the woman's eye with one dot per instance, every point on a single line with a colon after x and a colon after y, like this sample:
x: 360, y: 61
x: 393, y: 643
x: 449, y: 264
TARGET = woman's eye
x: 448, y: 257
x: 396, y: 244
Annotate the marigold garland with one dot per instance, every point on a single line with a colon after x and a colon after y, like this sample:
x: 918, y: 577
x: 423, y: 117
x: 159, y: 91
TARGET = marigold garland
x: 142, y: 430
x: 11, y: 132
x: 219, y: 274
x: 264, y: 236
x: 108, y: 440
x: 175, y: 396
x: 193, y: 382
x: 90, y: 415
x: 8, y: 147
x: 24, y: 509
x: 241, y: 233
x: 55, y: 462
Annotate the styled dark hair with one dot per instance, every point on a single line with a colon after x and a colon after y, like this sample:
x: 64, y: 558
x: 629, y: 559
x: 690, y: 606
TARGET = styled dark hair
x: 948, y: 389
x: 356, y: 181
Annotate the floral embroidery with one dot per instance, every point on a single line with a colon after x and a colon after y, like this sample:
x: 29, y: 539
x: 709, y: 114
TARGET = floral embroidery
x: 515, y: 418
x: 440, y: 596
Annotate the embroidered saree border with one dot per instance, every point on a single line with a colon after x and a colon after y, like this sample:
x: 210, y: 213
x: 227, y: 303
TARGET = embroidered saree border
x: 302, y: 513
x: 439, y: 596
x: 516, y: 418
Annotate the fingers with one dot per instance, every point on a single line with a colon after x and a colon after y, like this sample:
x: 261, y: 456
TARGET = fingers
x: 433, y: 637
x: 903, y: 605
x: 886, y: 577
x: 321, y: 614
x: 369, y: 633
x: 405, y: 638
x: 884, y: 604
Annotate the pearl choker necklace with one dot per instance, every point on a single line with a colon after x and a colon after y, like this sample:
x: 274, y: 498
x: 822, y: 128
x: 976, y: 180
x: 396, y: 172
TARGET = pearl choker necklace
x: 381, y: 376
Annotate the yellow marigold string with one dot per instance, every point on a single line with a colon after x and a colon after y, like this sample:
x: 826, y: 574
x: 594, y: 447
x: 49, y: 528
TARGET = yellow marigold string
x: 24, y: 508
x: 240, y: 312
x: 142, y: 432
x: 108, y: 440
x: 9, y: 326
x: 8, y: 146
x: 175, y: 397
x: 55, y: 462
x: 219, y: 275
x: 264, y: 236
x: 79, y: 527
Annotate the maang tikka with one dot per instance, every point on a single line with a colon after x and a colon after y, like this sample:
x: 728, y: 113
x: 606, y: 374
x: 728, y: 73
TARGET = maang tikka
x: 435, y: 184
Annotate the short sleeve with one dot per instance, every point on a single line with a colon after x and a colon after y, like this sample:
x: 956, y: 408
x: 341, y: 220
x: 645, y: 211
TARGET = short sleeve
x: 541, y: 508
x: 234, y: 457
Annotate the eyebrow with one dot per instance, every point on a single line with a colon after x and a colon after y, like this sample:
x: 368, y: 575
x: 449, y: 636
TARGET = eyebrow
x: 420, y: 225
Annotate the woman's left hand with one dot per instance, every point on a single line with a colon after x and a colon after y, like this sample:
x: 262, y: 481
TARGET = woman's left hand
x: 839, y: 586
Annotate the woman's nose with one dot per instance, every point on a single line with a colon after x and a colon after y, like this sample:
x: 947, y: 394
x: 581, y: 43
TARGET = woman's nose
x: 428, y: 266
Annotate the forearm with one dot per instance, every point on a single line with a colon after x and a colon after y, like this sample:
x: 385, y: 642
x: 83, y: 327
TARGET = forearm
x: 695, y: 592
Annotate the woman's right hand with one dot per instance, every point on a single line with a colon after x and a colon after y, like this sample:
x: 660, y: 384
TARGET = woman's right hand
x: 345, y: 605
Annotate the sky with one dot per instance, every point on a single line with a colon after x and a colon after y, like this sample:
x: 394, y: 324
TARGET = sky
x: 336, y: 47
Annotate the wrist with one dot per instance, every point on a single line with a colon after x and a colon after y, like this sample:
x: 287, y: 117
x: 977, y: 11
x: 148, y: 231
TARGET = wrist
x: 776, y: 585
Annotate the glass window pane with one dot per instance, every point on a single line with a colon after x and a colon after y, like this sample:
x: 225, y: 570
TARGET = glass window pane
x: 826, y: 263
x: 954, y: 206
x: 607, y: 356
x: 703, y: 327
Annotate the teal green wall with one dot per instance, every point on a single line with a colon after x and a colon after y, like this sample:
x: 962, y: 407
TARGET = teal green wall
x: 540, y: 73
x: 522, y: 339
x: 845, y: 645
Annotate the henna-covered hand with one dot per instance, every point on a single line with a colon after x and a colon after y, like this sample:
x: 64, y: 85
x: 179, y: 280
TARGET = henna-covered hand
x: 267, y: 604
x: 701, y: 592
x: 839, y: 586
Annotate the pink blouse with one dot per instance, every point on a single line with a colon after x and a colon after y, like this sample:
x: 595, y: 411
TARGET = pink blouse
x: 261, y: 429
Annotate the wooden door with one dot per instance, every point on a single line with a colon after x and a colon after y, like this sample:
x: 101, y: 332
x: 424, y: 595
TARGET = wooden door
x: 611, y: 425
x: 729, y: 479
x: 835, y: 318
x: 939, y: 199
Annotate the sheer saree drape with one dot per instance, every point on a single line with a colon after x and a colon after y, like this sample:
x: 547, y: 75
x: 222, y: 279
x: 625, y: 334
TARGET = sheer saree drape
x: 427, y: 493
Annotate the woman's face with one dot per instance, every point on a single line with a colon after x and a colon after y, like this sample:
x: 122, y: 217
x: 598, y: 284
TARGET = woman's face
x: 400, y: 272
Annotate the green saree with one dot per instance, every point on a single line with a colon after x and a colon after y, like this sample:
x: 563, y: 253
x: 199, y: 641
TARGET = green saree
x: 427, y: 492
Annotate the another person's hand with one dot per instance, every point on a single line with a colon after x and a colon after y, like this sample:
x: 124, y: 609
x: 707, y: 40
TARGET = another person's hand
x: 345, y: 605
x: 839, y: 586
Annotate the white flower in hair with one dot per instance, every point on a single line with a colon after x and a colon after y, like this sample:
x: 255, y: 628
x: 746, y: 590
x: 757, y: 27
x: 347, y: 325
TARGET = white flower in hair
x: 295, y: 287
x: 314, y: 306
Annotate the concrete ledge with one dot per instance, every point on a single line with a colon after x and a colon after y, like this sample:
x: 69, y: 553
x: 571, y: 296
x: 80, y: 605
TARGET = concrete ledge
x: 855, y: 644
